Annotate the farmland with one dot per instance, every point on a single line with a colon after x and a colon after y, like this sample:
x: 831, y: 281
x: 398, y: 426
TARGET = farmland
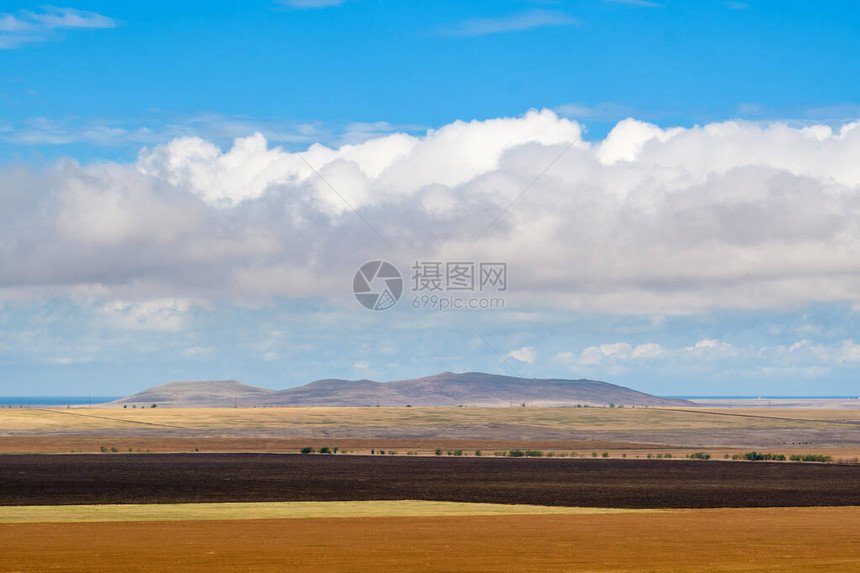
x: 784, y: 539
x: 424, y: 429
x: 183, y: 478
x: 221, y: 489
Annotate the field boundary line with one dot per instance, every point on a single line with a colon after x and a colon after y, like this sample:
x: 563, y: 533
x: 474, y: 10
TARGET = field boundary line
x: 759, y: 417
x: 110, y: 419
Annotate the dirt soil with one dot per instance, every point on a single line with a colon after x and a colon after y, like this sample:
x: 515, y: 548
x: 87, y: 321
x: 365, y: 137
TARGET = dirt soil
x: 177, y: 478
x: 784, y: 539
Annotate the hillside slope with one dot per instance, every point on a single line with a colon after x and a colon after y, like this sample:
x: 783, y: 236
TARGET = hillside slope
x: 445, y: 389
x: 199, y: 393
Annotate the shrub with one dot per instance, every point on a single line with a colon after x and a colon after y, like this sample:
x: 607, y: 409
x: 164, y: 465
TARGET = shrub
x: 307, y: 450
x: 114, y: 450
x: 667, y: 455
x: 438, y: 451
x: 649, y: 456
x: 325, y: 450
x: 478, y: 452
x: 760, y: 456
x: 103, y: 449
x: 593, y: 454
x: 659, y: 456
x: 516, y: 453
x: 458, y: 452
x: 623, y: 455
x: 700, y: 456
x: 534, y: 453
x: 809, y: 458
x: 605, y: 454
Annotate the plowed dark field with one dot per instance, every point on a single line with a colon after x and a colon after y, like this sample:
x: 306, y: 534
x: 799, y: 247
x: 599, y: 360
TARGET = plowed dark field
x: 171, y: 478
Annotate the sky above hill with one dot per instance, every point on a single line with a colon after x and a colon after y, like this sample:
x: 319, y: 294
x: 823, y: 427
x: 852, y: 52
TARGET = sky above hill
x: 659, y: 194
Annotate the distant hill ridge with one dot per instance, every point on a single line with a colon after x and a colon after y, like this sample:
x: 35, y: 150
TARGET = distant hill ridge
x: 445, y: 389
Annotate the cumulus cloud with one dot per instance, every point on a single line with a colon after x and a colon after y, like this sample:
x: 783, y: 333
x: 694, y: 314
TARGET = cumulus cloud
x: 648, y: 220
x: 156, y: 315
x: 525, y: 354
x: 27, y: 27
x: 707, y: 355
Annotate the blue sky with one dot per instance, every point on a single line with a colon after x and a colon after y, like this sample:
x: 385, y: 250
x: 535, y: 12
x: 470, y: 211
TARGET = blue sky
x: 703, y: 246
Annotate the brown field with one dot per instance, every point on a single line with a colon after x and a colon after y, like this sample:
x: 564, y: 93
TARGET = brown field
x: 784, y: 539
x: 182, y: 478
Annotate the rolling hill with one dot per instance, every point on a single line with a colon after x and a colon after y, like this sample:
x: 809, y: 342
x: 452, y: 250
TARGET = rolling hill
x: 445, y: 389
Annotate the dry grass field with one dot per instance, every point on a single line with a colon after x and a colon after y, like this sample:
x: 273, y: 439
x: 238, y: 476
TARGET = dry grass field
x: 277, y: 418
x: 278, y: 510
x: 772, y: 539
x: 622, y: 431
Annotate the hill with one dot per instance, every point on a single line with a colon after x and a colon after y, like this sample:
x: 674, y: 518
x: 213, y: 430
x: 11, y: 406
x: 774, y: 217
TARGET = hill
x: 445, y: 389
x: 199, y: 393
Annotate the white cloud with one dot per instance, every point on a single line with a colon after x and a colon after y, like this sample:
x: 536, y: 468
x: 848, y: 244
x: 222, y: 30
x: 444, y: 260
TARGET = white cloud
x: 28, y: 27
x: 649, y: 220
x: 514, y: 23
x: 525, y: 354
x: 612, y: 354
x: 157, y: 315
x: 803, y: 358
x: 648, y: 350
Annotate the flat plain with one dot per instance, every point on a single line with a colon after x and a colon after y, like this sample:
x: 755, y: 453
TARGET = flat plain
x: 770, y: 539
x: 619, y: 483
x: 225, y: 489
x: 634, y: 430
